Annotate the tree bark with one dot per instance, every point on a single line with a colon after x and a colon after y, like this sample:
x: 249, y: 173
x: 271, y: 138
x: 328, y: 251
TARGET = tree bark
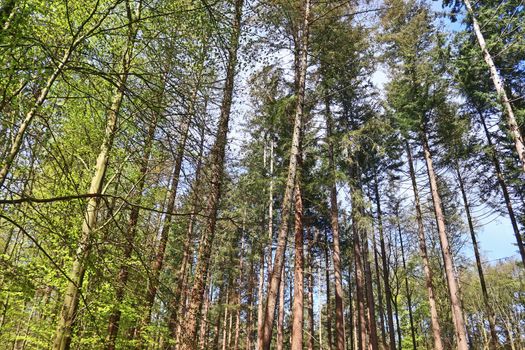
x: 372, y: 325
x: 436, y: 329
x: 386, y: 271
x: 501, y: 181
x: 280, y: 313
x: 329, y: 338
x: 512, y: 124
x: 275, y: 276
x: 298, y: 290
x: 310, y: 294
x: 479, y: 266
x: 68, y: 313
x: 362, y: 339
x: 216, y: 179
x: 457, y: 312
x: 334, y: 223
x: 131, y: 229
x: 407, y: 288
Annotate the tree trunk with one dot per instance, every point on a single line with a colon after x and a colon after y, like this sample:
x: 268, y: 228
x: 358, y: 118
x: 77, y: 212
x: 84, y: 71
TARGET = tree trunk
x: 77, y: 39
x: 68, y: 313
x: 457, y: 312
x: 512, y: 124
x: 386, y: 272
x: 436, y: 329
x: 266, y: 250
x: 178, y: 303
x: 372, y: 325
x: 379, y: 293
x: 407, y: 288
x: 275, y: 276
x: 216, y: 172
x: 504, y: 189
x: 158, y: 261
x: 310, y: 296
x: 328, y: 293
x: 334, y: 223
x: 359, y: 280
x: 280, y: 314
x: 131, y: 229
x: 298, y: 290
x: 484, y: 292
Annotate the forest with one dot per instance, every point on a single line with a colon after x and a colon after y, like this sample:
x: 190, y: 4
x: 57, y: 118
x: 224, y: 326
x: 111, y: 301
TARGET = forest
x: 262, y: 174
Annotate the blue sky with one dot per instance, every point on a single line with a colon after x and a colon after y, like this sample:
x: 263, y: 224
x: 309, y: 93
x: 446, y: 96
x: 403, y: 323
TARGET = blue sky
x: 496, y: 240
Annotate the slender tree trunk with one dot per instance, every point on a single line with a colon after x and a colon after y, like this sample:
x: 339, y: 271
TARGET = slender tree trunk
x: 178, y: 303
x: 436, y: 329
x: 407, y: 288
x: 379, y: 293
x: 351, y: 311
x: 122, y: 277
x: 457, y: 312
x: 225, y: 324
x: 386, y: 271
x: 310, y: 296
x: 216, y: 172
x: 267, y: 250
x: 374, y: 343
x: 275, y: 276
x: 280, y: 313
x: 512, y: 124
x: 298, y: 290
x: 68, y: 313
x: 77, y: 39
x: 260, y: 299
x: 329, y: 322
x: 158, y: 260
x: 334, y: 223
x: 484, y: 292
x: 204, y: 324
x: 249, y: 316
x: 7, y: 162
x: 359, y: 281
x: 504, y: 189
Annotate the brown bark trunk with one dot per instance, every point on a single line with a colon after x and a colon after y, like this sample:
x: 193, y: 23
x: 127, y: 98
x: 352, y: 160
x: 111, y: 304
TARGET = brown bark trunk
x: 204, y: 324
x: 436, y: 329
x: 178, y: 303
x: 457, y: 312
x: 386, y: 272
x: 512, y: 124
x: 298, y: 290
x: 372, y: 326
x: 68, y: 313
x: 310, y: 296
x: 359, y: 277
x: 122, y: 277
x: 275, y: 276
x: 249, y: 316
x: 407, y: 288
x: 158, y: 261
x: 266, y: 250
x: 216, y: 172
x: 334, y: 223
x: 484, y: 292
x: 329, y: 338
x: 504, y: 189
x: 380, y: 307
x: 280, y: 314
